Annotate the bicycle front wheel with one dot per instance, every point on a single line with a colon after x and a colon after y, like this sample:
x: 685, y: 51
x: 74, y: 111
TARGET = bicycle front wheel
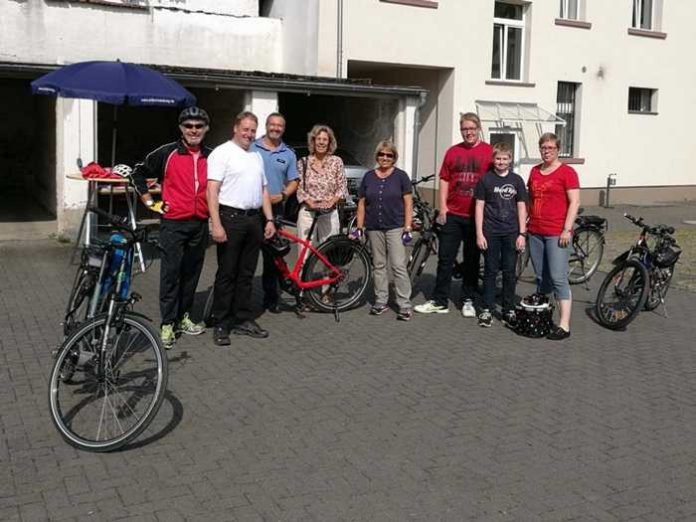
x: 105, y: 405
x: 588, y: 248
x: 622, y: 294
x: 351, y: 259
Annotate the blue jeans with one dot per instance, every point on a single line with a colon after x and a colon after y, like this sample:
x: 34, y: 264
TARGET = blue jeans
x: 501, y: 255
x: 550, y: 262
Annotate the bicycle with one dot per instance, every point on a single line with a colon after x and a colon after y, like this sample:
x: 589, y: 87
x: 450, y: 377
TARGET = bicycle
x: 110, y: 374
x: 334, y: 276
x: 425, y: 224
x: 588, y: 249
x: 640, y: 278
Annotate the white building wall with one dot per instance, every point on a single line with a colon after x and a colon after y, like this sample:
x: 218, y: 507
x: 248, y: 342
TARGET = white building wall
x: 645, y: 150
x: 300, y: 22
x: 72, y: 32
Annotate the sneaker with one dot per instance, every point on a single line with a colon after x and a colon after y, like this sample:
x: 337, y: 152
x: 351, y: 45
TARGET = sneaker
x: 250, y: 328
x: 404, y: 315
x: 558, y: 334
x: 431, y: 307
x: 188, y: 327
x: 485, y: 318
x: 378, y: 309
x: 468, y: 309
x: 510, y: 319
x: 167, y: 336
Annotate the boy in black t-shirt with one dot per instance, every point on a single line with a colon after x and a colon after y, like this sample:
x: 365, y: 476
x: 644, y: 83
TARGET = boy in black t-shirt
x: 501, y: 217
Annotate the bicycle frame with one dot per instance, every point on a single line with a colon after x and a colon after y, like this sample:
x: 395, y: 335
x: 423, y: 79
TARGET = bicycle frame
x: 295, y: 276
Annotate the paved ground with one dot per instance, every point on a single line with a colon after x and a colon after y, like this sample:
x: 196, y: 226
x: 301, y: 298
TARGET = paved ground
x: 366, y: 420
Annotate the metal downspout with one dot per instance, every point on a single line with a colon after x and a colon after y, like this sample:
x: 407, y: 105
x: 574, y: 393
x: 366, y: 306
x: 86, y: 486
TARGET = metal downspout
x: 339, y: 41
x: 416, y: 133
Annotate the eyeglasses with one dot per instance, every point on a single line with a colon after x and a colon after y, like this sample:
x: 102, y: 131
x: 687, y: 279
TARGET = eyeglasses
x: 469, y: 129
x: 388, y: 155
x: 545, y: 149
x: 193, y: 125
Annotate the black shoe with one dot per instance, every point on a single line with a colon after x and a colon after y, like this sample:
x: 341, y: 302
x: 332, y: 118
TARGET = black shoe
x: 510, y: 319
x: 221, y: 336
x: 558, y: 334
x: 251, y: 329
x: 273, y: 308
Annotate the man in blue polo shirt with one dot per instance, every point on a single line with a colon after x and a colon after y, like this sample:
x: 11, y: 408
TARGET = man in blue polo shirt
x: 280, y: 164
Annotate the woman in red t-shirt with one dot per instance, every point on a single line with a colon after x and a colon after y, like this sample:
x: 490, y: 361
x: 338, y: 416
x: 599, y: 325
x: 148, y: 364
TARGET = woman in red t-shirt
x: 554, y: 198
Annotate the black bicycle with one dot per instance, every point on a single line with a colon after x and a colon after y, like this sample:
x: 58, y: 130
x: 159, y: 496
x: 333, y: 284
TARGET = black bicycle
x: 640, y: 278
x: 110, y: 374
x: 426, y: 225
x: 588, y: 249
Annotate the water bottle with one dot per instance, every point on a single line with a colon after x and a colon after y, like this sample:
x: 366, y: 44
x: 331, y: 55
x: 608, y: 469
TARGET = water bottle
x: 116, y: 240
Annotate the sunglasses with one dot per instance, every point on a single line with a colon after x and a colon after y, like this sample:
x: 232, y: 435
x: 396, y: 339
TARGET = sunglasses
x: 385, y: 155
x: 193, y: 125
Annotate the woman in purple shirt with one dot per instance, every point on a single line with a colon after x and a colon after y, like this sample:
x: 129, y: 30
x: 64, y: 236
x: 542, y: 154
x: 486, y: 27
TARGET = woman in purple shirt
x: 385, y: 210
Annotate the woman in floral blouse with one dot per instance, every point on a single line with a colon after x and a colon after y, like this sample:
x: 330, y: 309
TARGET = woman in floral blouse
x: 322, y: 184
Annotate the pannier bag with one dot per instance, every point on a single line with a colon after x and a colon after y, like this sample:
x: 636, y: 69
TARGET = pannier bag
x: 534, y: 316
x: 667, y: 256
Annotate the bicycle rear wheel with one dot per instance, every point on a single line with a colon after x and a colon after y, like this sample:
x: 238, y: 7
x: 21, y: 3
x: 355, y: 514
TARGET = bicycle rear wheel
x: 659, y: 288
x: 356, y: 275
x: 103, y: 407
x: 622, y: 294
x: 416, y: 261
x: 588, y: 248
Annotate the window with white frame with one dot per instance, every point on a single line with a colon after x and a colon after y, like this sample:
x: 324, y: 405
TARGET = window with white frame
x: 644, y: 14
x: 569, y: 10
x: 566, y: 108
x: 642, y: 100
x: 508, y: 41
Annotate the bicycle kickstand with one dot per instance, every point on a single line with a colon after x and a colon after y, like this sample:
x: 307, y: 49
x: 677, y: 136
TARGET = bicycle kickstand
x: 337, y: 317
x: 299, y: 307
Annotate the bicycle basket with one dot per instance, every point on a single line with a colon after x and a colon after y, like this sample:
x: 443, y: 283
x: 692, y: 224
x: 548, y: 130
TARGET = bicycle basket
x: 534, y: 316
x: 277, y: 246
x: 667, y: 256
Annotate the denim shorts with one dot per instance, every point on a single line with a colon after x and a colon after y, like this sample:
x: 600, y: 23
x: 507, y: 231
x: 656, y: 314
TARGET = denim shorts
x: 550, y: 262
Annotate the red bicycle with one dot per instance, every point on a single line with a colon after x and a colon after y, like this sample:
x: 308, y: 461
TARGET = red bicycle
x: 332, y: 277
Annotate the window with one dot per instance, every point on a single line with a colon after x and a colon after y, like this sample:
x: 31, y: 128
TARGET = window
x: 643, y: 14
x: 570, y: 10
x: 566, y: 108
x: 508, y: 41
x: 642, y: 100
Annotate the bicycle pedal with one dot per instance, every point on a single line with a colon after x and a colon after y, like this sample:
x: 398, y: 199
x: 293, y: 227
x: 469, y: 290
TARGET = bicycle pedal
x: 135, y: 297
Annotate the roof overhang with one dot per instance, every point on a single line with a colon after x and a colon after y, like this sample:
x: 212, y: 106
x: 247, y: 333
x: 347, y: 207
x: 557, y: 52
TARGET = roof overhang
x: 257, y: 80
x: 511, y: 113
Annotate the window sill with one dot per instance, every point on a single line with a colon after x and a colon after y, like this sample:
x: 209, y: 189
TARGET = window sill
x: 648, y: 34
x: 573, y: 23
x: 647, y: 113
x: 573, y: 161
x: 510, y: 83
x: 431, y: 4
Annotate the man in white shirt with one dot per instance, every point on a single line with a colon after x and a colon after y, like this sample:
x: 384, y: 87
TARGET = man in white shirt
x: 238, y: 203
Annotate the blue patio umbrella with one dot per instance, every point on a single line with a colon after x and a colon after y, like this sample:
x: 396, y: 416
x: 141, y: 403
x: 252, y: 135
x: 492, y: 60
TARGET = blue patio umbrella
x: 116, y: 83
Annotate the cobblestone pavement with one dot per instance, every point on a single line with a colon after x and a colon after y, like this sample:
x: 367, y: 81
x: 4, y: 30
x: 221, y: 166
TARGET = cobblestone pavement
x: 369, y: 419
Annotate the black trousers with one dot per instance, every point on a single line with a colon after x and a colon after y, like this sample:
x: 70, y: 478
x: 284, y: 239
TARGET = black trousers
x: 182, y: 245
x: 237, y: 259
x: 456, y: 230
x: 501, y: 255
x: 270, y: 272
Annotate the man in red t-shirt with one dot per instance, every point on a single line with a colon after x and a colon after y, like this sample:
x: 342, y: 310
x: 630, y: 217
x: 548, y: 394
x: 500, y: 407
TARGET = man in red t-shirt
x: 463, y: 166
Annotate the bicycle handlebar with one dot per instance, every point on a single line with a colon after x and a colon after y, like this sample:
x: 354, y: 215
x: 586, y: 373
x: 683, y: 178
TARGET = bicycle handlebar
x: 423, y: 180
x: 121, y: 223
x: 657, y: 230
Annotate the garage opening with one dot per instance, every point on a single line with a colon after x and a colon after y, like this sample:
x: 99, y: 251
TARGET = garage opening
x: 27, y: 155
x: 358, y: 122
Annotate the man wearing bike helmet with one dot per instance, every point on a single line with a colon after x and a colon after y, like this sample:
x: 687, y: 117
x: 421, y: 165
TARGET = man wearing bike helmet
x: 181, y: 169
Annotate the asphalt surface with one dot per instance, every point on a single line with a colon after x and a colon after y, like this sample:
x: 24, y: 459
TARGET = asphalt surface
x: 369, y: 419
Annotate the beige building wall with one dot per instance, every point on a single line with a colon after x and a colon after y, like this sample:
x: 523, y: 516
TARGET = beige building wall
x: 644, y: 150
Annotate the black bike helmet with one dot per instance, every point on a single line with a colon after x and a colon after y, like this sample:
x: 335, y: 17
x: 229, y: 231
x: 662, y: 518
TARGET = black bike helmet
x: 194, y: 113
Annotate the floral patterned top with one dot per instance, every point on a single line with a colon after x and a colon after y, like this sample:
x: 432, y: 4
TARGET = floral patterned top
x: 322, y: 180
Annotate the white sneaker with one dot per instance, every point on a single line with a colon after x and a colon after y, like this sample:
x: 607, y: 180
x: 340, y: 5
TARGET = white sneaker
x: 468, y: 309
x: 430, y: 307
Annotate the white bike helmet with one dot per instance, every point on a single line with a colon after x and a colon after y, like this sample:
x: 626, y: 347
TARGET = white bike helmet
x: 122, y: 170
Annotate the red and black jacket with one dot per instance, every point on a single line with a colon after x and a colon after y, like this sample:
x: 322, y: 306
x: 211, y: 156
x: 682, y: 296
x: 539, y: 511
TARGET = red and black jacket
x: 183, y: 181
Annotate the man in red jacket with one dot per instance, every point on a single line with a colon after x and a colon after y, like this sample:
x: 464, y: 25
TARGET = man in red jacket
x: 181, y: 168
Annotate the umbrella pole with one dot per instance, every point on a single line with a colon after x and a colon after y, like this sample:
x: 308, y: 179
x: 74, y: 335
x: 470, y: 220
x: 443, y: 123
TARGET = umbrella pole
x: 114, y: 132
